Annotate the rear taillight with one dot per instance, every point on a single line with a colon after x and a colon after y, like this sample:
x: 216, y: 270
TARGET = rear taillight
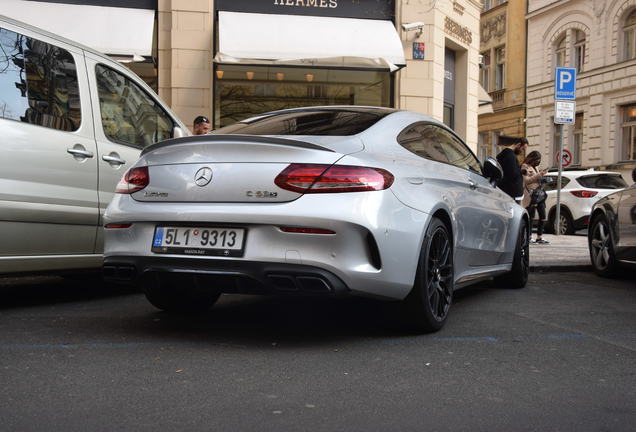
x: 133, y: 180
x: 584, y: 193
x: 319, y: 178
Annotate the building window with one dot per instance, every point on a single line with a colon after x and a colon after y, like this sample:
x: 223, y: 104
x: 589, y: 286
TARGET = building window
x: 559, y: 53
x: 629, y: 36
x: 483, y: 150
x: 628, y: 150
x: 487, y: 5
x: 500, y: 59
x: 579, y: 50
x: 485, y: 71
x: 577, y: 145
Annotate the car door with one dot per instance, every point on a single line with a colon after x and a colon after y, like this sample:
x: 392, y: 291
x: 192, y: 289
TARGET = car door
x: 442, y: 166
x: 48, y: 168
x: 483, y: 212
x: 128, y: 117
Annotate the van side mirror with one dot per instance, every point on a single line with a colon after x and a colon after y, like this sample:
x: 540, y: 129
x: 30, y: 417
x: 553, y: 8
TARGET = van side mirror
x: 492, y: 170
x: 177, y: 132
x: 634, y: 175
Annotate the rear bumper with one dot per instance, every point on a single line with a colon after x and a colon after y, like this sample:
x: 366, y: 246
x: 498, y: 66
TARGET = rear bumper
x: 240, y: 277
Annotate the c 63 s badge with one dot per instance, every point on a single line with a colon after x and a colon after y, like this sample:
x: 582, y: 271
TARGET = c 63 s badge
x: 261, y: 194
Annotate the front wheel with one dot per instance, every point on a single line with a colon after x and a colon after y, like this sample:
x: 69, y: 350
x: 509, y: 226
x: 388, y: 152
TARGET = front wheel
x: 601, y: 246
x: 565, y: 225
x: 430, y: 299
x: 518, y: 275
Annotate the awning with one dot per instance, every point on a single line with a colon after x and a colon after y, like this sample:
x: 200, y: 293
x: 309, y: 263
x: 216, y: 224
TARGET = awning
x: 110, y: 30
x: 485, y: 102
x: 267, y: 39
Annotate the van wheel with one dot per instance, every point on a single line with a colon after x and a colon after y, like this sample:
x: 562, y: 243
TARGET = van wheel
x: 172, y: 292
x: 428, y: 304
x: 518, y: 275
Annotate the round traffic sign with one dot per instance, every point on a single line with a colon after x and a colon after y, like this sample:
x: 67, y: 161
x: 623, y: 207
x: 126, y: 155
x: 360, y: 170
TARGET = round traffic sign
x: 566, y: 158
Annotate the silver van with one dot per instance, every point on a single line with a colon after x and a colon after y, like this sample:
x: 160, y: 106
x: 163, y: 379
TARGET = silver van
x: 71, y: 122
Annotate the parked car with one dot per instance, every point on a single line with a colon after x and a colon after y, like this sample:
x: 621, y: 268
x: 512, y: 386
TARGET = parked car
x: 612, y: 233
x: 325, y: 201
x: 71, y: 121
x: 580, y: 189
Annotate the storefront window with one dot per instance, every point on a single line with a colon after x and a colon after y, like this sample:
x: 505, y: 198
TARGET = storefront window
x: 245, y: 91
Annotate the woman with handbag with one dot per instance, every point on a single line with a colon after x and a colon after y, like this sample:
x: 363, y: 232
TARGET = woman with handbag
x: 533, y: 195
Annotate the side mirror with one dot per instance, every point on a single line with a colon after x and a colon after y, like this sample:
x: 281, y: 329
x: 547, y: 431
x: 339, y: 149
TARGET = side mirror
x: 177, y: 132
x: 634, y: 175
x: 493, y: 171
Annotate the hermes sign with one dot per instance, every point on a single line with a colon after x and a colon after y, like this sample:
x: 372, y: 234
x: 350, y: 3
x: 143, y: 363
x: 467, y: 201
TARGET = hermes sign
x: 367, y: 9
x: 460, y: 32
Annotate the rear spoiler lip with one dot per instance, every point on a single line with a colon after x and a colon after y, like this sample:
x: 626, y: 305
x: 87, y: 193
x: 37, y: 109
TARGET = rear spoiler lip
x: 233, y: 139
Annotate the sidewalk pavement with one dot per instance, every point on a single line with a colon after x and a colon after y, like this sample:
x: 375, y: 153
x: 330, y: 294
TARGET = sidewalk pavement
x: 564, y: 253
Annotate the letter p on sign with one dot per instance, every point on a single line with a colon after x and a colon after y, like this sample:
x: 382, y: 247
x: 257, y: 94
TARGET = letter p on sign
x: 565, y: 83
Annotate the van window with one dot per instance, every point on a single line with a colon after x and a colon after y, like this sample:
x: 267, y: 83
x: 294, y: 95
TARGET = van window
x: 38, y: 83
x: 129, y: 114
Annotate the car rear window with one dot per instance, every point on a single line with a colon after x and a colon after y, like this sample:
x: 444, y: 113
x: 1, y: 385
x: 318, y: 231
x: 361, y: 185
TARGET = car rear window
x: 602, y: 181
x: 311, y: 122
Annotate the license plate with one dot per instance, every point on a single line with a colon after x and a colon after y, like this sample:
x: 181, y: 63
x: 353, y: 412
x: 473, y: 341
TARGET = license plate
x: 199, y: 241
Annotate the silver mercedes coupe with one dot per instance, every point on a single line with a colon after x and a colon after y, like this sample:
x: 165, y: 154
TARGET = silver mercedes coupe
x: 344, y: 200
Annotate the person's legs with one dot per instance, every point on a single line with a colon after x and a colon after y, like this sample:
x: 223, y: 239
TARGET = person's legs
x: 540, y: 224
x: 531, y: 209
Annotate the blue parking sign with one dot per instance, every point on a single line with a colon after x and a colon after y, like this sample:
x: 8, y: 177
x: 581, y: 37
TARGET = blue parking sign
x: 565, y: 83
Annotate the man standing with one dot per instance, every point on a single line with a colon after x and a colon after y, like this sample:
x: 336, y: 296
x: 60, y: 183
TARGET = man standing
x: 201, y: 125
x: 512, y: 181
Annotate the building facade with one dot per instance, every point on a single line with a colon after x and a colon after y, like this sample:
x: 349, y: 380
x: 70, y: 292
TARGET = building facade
x: 231, y: 59
x: 502, y: 72
x: 598, y: 38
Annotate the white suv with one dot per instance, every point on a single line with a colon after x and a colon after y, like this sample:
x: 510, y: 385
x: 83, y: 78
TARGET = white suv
x: 580, y: 189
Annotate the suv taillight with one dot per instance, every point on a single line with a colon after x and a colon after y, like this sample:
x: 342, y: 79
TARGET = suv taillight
x: 319, y: 178
x: 583, y: 193
x: 133, y: 180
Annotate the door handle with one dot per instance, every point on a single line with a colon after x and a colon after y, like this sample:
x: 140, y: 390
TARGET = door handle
x: 113, y: 160
x: 80, y: 152
x: 472, y: 185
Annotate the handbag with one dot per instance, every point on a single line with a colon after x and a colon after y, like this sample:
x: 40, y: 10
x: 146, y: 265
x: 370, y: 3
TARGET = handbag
x: 537, y: 196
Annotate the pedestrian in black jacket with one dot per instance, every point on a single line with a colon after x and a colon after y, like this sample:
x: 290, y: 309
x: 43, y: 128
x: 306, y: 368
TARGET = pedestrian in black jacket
x: 512, y: 180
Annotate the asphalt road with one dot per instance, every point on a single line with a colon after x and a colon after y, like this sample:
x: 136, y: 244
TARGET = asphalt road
x: 559, y: 355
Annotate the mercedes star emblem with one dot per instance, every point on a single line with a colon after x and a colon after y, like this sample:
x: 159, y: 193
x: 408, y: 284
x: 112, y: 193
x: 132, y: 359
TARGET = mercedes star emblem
x: 203, y: 176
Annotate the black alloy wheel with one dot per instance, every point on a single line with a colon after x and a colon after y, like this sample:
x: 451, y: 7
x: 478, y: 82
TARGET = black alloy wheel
x: 518, y: 275
x: 601, y: 246
x: 430, y: 300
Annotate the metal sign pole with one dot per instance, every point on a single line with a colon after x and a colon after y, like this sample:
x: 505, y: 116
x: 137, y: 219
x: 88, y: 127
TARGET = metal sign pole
x: 557, y: 219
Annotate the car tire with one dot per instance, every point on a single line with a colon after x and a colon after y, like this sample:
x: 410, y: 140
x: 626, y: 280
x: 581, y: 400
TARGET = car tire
x: 517, y: 277
x: 172, y: 292
x: 567, y: 224
x: 429, y: 302
x: 601, y: 246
